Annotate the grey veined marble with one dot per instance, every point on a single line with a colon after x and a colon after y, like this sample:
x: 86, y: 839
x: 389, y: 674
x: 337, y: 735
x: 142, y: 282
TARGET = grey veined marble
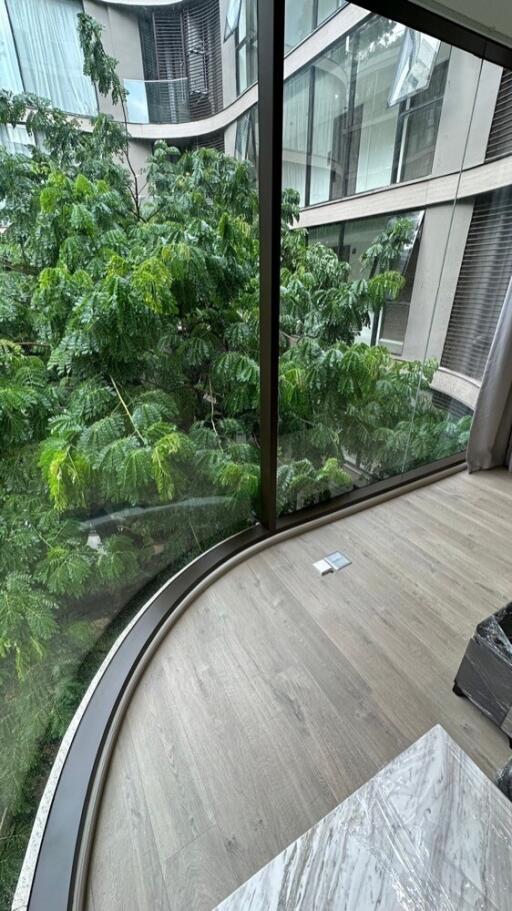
x: 428, y: 833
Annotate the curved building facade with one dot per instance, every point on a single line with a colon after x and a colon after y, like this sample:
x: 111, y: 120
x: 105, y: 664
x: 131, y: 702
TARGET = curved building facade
x: 359, y: 141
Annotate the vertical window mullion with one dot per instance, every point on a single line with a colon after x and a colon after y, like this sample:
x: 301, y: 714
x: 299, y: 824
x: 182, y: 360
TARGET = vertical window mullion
x: 270, y: 79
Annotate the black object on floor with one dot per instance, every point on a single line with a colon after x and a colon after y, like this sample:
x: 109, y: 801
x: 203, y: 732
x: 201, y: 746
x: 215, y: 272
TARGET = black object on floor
x: 485, y: 673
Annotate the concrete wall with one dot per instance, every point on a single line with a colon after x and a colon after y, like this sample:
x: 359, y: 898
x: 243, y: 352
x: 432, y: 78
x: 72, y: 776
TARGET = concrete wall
x: 121, y: 39
x: 485, y: 103
x: 443, y: 240
x: 468, y: 106
x: 229, y: 139
x: 139, y: 153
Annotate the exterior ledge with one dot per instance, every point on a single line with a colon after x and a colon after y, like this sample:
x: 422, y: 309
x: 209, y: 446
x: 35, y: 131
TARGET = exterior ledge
x: 463, y: 388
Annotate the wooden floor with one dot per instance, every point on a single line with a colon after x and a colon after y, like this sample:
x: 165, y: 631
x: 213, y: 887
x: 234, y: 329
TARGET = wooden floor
x: 279, y: 692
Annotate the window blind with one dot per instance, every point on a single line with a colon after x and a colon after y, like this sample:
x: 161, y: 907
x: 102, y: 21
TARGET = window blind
x: 500, y: 137
x: 482, y: 284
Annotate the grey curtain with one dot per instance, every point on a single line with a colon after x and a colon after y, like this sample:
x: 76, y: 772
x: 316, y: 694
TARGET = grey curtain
x: 490, y: 441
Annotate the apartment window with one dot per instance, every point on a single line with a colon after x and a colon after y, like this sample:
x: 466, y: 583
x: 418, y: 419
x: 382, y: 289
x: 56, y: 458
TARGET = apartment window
x: 349, y: 240
x: 298, y: 21
x: 246, y: 140
x: 376, y: 49
x: 10, y: 74
x: 295, y: 132
x: 351, y: 139
x: 303, y: 16
x: 49, y: 53
x: 500, y: 137
x: 484, y: 277
x: 332, y: 165
x: 395, y: 314
x: 326, y: 8
x: 232, y: 18
x: 246, y: 47
x: 418, y: 123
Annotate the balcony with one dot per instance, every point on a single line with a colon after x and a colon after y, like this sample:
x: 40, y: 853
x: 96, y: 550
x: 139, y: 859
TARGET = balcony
x: 158, y: 101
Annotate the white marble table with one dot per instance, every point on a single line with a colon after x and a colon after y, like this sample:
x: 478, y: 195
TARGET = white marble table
x: 428, y: 833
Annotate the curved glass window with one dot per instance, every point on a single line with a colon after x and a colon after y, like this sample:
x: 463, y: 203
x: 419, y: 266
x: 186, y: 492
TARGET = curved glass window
x: 130, y: 350
x: 129, y: 406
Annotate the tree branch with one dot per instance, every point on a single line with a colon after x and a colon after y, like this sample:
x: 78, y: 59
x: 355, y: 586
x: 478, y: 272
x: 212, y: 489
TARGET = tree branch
x: 127, y: 410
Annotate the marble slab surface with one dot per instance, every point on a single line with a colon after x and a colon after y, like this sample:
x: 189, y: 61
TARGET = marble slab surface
x: 428, y: 833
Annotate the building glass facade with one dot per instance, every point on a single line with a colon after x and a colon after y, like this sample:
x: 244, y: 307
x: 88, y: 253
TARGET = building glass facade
x: 41, y: 53
x: 340, y: 134
x: 349, y: 240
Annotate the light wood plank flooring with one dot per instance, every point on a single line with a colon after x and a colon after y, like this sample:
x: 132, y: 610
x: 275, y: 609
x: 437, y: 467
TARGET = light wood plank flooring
x: 279, y: 692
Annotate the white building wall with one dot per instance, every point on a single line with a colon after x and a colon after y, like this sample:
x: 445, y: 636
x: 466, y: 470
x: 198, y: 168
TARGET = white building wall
x: 121, y: 39
x: 468, y: 107
x: 441, y: 250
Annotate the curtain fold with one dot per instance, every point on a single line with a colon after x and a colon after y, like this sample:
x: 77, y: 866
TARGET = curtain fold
x: 332, y: 84
x: 295, y: 132
x: 490, y: 441
x: 49, y: 53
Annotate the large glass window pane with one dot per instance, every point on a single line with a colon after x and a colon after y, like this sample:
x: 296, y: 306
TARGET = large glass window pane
x: 295, y: 132
x: 137, y: 101
x: 366, y: 391
x: 10, y: 76
x: 419, y: 122
x: 327, y: 7
x: 49, y: 52
x: 374, y: 125
x: 350, y: 241
x: 242, y: 68
x: 333, y: 167
x: 298, y: 22
x: 129, y: 406
x: 246, y: 139
x: 247, y: 46
x: 358, y: 140
x: 232, y: 17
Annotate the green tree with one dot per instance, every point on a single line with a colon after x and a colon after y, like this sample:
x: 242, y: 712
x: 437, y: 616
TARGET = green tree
x: 129, y: 384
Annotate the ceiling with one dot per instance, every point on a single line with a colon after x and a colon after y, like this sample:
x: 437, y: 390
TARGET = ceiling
x: 492, y: 18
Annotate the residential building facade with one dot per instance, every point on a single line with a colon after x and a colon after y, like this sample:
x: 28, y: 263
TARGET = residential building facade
x: 364, y: 138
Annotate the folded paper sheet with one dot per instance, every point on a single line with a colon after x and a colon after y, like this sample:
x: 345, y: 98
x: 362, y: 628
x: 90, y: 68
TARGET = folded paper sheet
x: 428, y: 833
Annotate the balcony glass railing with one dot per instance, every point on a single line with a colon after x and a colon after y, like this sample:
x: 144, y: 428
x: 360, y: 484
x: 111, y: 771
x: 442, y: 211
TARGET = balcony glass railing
x: 158, y: 101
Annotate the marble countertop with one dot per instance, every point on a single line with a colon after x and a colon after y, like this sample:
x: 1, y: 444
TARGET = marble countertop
x: 428, y: 833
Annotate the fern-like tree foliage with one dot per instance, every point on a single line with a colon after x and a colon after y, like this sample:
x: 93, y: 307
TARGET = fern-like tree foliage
x: 129, y: 384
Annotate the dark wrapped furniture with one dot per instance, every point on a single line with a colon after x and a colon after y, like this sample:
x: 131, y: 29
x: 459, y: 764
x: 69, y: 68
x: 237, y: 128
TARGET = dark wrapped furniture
x: 485, y: 673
